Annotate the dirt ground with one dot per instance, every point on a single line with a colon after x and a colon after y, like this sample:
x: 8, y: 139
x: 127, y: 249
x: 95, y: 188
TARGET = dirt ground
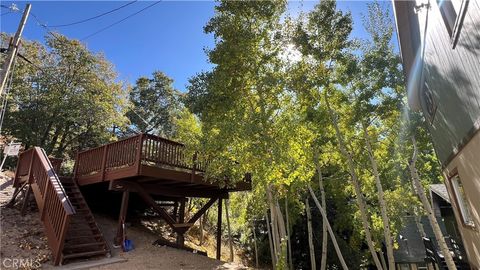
x: 23, y: 239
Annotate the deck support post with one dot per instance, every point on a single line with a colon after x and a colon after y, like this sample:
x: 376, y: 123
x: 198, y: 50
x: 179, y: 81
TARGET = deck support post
x: 175, y: 210
x: 17, y: 191
x: 121, y: 219
x: 25, y: 200
x: 181, y: 220
x: 219, y: 228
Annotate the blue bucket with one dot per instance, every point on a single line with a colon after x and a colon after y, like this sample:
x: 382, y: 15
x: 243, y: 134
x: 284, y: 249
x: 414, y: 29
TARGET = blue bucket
x: 128, y: 245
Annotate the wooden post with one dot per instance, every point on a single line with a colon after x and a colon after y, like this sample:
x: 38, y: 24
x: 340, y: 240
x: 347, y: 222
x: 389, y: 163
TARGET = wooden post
x: 219, y: 228
x: 139, y: 152
x: 230, y: 244
x: 104, y: 161
x: 13, y: 49
x: 194, y: 167
x: 181, y: 220
x: 121, y: 219
x: 30, y: 175
x: 25, y: 200
x: 175, y: 210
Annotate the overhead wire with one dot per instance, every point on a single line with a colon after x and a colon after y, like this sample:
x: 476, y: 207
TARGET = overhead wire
x: 94, y: 17
x: 119, y: 21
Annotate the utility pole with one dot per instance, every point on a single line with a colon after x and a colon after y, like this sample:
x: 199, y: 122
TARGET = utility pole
x: 13, y: 50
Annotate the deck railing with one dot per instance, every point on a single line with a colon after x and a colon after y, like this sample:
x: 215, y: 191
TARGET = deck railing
x: 53, y: 203
x: 23, y: 168
x: 142, y: 149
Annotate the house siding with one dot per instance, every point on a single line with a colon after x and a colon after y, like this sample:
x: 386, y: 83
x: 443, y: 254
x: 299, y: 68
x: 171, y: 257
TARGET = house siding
x: 453, y: 78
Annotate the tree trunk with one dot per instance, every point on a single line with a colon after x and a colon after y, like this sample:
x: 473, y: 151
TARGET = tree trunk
x: 230, y: 244
x: 329, y: 228
x: 274, y: 230
x: 289, y: 244
x: 428, y: 208
x: 382, y: 259
x: 323, y: 262
x: 383, y: 206
x: 45, y: 134
x: 53, y: 142
x: 278, y: 228
x: 201, y: 230
x: 356, y: 185
x: 255, y: 244
x: 270, y: 242
x: 61, y: 145
x: 282, y: 233
x: 310, y: 236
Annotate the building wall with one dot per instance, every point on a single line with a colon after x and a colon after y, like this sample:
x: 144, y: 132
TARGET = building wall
x: 467, y: 165
x: 453, y: 77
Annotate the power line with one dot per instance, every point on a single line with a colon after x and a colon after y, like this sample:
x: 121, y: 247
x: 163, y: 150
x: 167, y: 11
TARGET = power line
x: 94, y: 17
x: 117, y: 22
x: 40, y: 23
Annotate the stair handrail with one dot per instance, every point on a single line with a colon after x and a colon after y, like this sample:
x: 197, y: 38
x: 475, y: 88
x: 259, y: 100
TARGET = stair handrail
x: 54, y: 206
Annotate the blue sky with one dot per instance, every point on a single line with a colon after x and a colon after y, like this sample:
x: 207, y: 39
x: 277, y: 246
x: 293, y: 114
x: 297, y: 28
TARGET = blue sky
x: 168, y: 37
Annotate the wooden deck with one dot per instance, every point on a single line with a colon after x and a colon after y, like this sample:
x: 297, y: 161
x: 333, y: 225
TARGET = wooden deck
x: 161, y: 166
x: 144, y: 164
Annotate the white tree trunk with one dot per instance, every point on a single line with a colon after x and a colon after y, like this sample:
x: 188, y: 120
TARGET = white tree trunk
x: 278, y: 228
x: 329, y: 228
x: 270, y: 242
x: 356, y: 184
x: 201, y: 229
x: 229, y: 231
x: 273, y: 222
x: 428, y: 208
x: 282, y: 233
x: 310, y: 236
x: 323, y: 262
x: 383, y: 205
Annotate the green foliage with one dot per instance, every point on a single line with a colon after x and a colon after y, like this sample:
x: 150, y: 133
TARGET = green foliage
x: 67, y: 99
x: 255, y: 111
x: 154, y: 102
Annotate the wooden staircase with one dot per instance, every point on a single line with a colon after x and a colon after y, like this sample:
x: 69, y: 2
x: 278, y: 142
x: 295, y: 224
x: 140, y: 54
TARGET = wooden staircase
x: 69, y: 225
x: 84, y: 238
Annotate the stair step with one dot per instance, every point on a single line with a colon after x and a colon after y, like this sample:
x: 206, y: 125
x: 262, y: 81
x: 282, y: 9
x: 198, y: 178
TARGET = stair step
x: 88, y: 229
x: 93, y: 244
x: 82, y: 217
x: 83, y: 237
x: 79, y: 227
x: 85, y: 254
x: 83, y: 222
x: 68, y: 183
x: 183, y: 225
